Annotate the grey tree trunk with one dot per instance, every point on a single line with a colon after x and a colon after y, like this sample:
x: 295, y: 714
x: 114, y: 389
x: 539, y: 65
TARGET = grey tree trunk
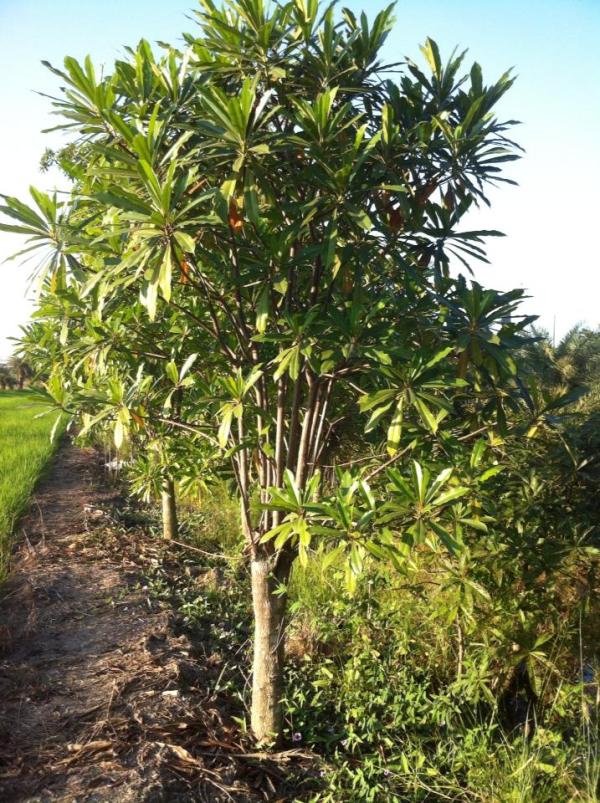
x: 267, y: 673
x: 169, y: 510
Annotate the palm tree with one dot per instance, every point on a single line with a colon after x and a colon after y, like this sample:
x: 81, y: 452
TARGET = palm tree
x: 20, y: 370
x: 6, y: 378
x: 573, y: 362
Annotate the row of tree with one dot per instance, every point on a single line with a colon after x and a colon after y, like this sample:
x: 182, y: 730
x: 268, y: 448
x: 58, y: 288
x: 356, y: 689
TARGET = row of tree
x: 251, y: 280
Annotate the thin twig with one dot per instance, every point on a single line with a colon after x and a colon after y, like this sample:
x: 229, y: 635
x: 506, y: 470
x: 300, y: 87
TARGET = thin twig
x: 204, y: 551
x: 387, y: 463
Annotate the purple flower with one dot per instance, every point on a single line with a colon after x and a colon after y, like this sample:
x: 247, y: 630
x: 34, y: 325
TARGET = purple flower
x: 296, y: 737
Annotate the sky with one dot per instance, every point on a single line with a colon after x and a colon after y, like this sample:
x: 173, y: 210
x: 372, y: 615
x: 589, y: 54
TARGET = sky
x: 553, y: 45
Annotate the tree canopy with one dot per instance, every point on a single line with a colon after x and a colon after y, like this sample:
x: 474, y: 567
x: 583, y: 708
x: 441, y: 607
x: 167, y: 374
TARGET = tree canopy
x: 252, y: 275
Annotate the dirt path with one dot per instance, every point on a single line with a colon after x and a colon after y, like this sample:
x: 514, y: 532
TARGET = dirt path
x: 99, y: 699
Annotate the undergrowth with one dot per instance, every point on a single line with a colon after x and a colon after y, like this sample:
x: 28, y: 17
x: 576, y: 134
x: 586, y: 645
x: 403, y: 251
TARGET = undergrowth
x: 376, y: 691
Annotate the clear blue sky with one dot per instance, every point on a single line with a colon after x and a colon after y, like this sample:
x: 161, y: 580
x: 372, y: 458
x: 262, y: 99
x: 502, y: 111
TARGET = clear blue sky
x: 550, y: 219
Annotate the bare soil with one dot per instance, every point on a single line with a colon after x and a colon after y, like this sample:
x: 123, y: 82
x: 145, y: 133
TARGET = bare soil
x: 101, y: 696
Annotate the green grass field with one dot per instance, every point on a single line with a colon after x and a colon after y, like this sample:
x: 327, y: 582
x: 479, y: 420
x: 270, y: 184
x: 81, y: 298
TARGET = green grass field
x: 25, y: 449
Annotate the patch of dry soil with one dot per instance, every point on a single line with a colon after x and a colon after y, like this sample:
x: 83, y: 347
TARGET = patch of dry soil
x: 100, y: 700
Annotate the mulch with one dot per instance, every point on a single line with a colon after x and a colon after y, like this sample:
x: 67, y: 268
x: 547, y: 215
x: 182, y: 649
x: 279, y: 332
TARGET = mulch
x: 102, y: 696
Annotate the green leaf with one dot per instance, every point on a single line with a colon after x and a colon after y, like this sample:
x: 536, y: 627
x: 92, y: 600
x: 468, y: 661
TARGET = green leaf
x: 376, y: 417
x: 166, y: 275
x: 449, y: 496
x: 379, y: 551
x: 428, y: 418
x: 395, y: 430
x: 172, y: 373
x: 124, y: 200
x: 476, y: 524
x: 477, y: 452
x: 333, y: 557
x: 490, y: 472
x: 420, y: 479
x: 431, y: 52
x: 439, y: 357
x: 451, y: 544
x: 370, y: 400
x: 185, y: 241
x: 287, y: 360
x: 441, y: 479
x: 252, y: 379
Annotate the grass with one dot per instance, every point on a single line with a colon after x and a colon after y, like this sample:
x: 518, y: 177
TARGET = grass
x: 25, y: 449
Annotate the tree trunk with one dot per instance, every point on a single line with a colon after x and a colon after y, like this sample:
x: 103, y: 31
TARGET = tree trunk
x: 267, y: 673
x: 169, y: 510
x: 460, y: 648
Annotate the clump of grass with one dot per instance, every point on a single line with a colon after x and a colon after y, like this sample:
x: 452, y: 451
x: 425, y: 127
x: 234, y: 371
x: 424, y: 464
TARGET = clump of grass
x: 213, y: 519
x: 25, y: 449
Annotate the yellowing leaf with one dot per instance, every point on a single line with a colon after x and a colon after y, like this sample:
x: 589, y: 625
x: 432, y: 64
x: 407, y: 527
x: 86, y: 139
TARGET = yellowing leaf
x: 262, y: 310
x: 225, y: 428
x: 395, y: 430
x: 119, y: 433
x: 166, y: 271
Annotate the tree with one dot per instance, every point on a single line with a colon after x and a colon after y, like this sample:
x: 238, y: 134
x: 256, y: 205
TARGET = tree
x: 20, y: 370
x: 572, y: 362
x: 266, y: 220
x: 157, y: 465
x: 7, y: 380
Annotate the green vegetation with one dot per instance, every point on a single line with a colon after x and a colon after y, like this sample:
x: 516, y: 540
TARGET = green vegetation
x: 400, y: 698
x: 25, y: 448
x: 249, y: 290
x: 472, y: 678
x: 254, y: 263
